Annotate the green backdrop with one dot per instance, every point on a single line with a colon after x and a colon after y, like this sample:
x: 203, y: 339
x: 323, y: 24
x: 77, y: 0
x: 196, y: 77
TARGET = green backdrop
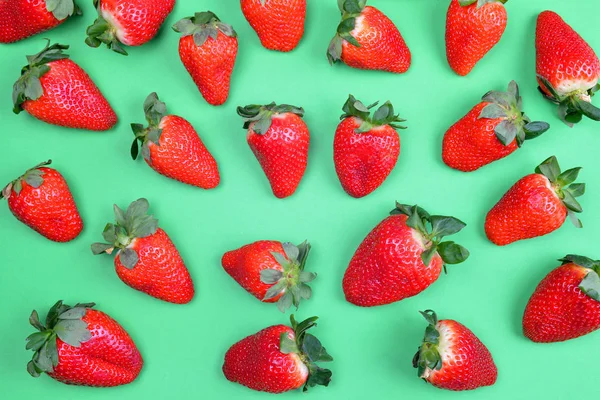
x: 183, y: 346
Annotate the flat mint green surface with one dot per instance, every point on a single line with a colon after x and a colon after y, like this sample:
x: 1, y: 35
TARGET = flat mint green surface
x: 183, y: 346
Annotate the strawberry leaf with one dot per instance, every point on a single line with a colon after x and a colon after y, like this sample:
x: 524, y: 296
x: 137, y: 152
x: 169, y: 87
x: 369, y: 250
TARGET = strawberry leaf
x: 590, y: 285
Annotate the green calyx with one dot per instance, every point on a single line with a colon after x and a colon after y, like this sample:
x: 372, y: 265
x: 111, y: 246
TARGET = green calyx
x: 131, y: 224
x: 33, y: 177
x: 574, y: 106
x: 480, y: 3
x: 293, y: 280
x: 62, y: 321
x: 103, y: 32
x: 383, y: 116
x: 350, y: 9
x: 202, y: 26
x: 309, y: 349
x: 590, y: 285
x: 515, y: 124
x: 262, y: 116
x: 155, y: 111
x: 428, y: 355
x: 62, y: 9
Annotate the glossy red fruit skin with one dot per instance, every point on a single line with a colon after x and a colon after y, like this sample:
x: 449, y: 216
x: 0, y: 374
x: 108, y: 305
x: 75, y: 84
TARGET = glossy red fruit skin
x: 20, y: 19
x: 50, y: 209
x: 160, y: 270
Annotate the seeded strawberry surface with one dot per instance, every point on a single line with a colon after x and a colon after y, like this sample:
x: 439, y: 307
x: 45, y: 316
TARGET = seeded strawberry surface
x: 20, y: 19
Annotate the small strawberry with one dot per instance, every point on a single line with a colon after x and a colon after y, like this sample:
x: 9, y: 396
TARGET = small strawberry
x: 82, y: 346
x: 536, y: 205
x: 278, y: 23
x: 366, y: 148
x: 278, y: 359
x: 279, y: 139
x: 566, y: 303
x: 367, y: 39
x: 55, y: 90
x: 567, y: 69
x: 127, y: 22
x: 492, y: 130
x: 146, y: 258
x: 42, y: 200
x: 452, y: 357
x: 208, y: 49
x: 401, y: 257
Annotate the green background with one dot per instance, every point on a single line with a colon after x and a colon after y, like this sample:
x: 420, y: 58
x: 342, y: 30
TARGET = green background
x: 183, y: 346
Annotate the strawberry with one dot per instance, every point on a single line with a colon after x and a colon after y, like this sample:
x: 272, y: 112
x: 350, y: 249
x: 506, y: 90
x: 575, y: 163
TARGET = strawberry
x: 452, y: 357
x: 55, y: 90
x: 20, y: 19
x: 365, y: 148
x: 171, y: 147
x: 208, y: 49
x: 127, y: 22
x: 271, y: 271
x: 278, y: 23
x: 536, y: 205
x: 278, y: 359
x: 401, y: 257
x: 82, y: 346
x: 279, y: 139
x: 146, y: 258
x: 42, y: 200
x: 567, y: 69
x: 492, y: 130
x: 566, y: 303
x: 473, y: 28
x: 367, y: 39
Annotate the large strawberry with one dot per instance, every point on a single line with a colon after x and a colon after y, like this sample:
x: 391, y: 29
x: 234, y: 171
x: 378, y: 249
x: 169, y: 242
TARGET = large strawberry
x: 566, y: 303
x: 279, y: 139
x: 367, y: 39
x: 81, y: 346
x: 401, y: 257
x: 42, y: 200
x: 278, y: 359
x: 452, y: 357
x: 492, y: 130
x: 146, y: 258
x: 366, y: 148
x: 536, y: 205
x: 567, y: 68
x: 208, y: 49
x: 55, y: 90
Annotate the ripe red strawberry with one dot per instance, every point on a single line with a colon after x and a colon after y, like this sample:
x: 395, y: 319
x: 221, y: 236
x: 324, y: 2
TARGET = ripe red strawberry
x: 81, y: 346
x: 278, y: 23
x: 366, y: 148
x: 278, y: 359
x: 566, y: 303
x: 127, y: 22
x: 401, y: 257
x: 171, y: 147
x: 55, y: 90
x: 473, y: 28
x: 208, y: 49
x: 452, y: 357
x: 279, y: 139
x: 146, y: 258
x: 567, y: 69
x: 536, y: 205
x: 42, y: 200
x: 492, y: 130
x: 367, y: 39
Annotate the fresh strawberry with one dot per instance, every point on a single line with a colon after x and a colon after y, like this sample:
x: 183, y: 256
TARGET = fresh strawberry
x: 367, y: 39
x: 566, y: 303
x: 473, y: 28
x: 452, y: 357
x: 278, y: 359
x: 366, y: 148
x: 146, y: 258
x: 401, y: 257
x: 82, y: 346
x: 55, y: 90
x: 536, y: 205
x: 42, y: 200
x: 279, y: 139
x: 567, y: 69
x: 127, y: 22
x: 492, y: 130
x: 208, y: 49
x: 278, y: 23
